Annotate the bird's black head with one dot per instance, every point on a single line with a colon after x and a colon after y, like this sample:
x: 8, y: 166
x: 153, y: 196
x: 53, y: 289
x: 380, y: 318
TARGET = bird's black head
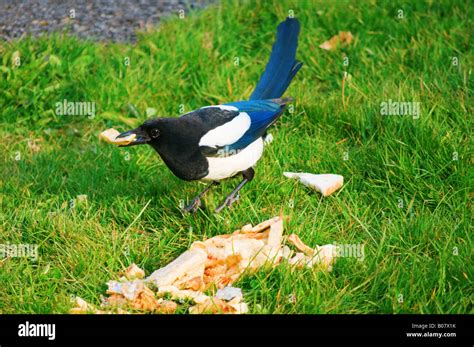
x: 149, y: 132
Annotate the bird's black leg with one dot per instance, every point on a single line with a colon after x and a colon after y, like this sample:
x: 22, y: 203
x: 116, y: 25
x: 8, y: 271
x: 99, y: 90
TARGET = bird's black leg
x: 196, y: 202
x: 234, y: 195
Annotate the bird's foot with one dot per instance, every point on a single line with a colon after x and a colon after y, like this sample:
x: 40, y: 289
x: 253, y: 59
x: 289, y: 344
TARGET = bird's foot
x: 229, y: 200
x: 193, y: 206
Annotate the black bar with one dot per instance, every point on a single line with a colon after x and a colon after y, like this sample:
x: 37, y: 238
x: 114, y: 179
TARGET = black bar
x: 391, y: 328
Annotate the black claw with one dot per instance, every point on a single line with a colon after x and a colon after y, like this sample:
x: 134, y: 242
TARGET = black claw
x: 227, y: 202
x: 234, y: 195
x: 193, y: 206
x: 196, y: 202
x: 232, y: 199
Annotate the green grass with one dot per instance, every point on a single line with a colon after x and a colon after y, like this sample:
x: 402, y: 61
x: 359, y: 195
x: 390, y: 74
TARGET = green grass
x: 406, y: 197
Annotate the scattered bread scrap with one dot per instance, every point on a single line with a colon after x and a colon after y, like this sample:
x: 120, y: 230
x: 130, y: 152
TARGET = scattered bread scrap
x: 81, y: 197
x: 296, y: 241
x: 326, y: 184
x: 134, y: 272
x: 229, y: 293
x: 186, y: 294
x: 110, y: 136
x: 83, y: 307
x: 216, y: 305
x: 204, y: 274
x: 126, y: 296
x: 34, y: 145
x: 344, y: 38
x: 321, y: 255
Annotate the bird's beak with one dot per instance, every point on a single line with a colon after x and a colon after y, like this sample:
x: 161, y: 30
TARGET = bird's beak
x: 136, y: 137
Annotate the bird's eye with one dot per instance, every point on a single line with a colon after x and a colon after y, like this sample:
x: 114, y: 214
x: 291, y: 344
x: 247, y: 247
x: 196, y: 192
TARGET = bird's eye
x: 155, y: 133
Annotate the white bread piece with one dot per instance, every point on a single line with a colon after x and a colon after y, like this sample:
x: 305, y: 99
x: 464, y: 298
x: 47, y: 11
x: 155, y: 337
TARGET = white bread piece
x: 326, y: 184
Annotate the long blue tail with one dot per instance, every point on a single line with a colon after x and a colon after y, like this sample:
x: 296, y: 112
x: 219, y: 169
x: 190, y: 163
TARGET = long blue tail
x: 282, y: 66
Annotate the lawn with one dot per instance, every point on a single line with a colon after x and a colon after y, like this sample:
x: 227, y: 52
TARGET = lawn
x: 407, y: 179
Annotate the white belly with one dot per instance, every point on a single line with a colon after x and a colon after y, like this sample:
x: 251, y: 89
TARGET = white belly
x: 227, y: 166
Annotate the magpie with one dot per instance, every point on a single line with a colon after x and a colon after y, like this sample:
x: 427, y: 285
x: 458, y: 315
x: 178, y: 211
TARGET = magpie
x: 221, y: 141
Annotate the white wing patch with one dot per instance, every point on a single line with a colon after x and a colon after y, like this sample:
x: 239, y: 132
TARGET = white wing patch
x: 227, y: 133
x: 228, y: 166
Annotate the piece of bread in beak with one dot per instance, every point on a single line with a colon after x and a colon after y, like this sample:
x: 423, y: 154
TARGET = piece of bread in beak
x: 110, y: 136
